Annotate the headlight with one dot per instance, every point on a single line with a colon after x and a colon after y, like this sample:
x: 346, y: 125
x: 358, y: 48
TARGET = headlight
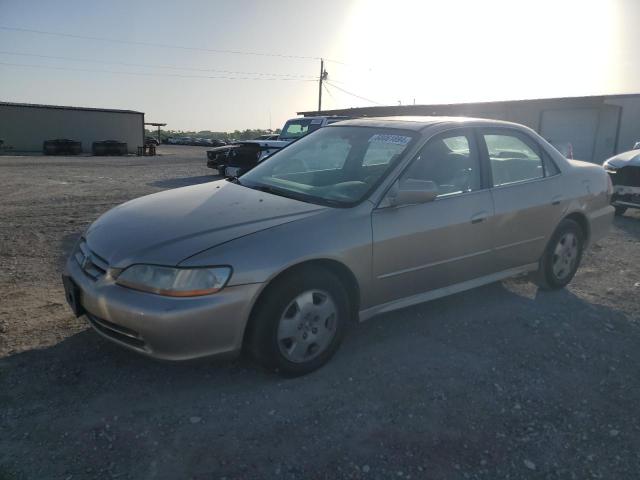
x: 610, y: 168
x: 175, y: 282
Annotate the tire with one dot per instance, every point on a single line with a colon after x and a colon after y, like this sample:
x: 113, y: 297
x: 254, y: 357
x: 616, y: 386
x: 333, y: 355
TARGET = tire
x: 561, y: 257
x: 288, y: 333
x: 620, y: 210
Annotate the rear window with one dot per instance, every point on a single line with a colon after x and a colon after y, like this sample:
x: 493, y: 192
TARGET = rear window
x: 299, y: 128
x: 512, y: 159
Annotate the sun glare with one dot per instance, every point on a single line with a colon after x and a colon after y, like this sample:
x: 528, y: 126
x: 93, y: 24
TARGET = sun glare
x: 472, y: 51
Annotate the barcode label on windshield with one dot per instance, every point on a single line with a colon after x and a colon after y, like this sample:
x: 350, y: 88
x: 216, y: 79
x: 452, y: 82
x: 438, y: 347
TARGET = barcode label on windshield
x: 391, y: 139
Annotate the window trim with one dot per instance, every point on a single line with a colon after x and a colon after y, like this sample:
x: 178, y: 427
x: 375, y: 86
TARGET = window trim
x: 546, y: 158
x: 525, y: 138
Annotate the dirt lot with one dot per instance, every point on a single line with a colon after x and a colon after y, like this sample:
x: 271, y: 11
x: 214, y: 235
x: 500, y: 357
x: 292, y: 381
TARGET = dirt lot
x: 499, y: 382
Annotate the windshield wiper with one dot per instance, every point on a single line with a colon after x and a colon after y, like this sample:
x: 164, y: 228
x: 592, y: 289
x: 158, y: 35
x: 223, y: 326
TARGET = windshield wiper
x: 277, y: 191
x: 293, y: 195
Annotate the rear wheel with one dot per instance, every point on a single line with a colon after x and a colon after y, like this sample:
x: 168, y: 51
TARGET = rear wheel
x: 300, y: 322
x: 561, y: 258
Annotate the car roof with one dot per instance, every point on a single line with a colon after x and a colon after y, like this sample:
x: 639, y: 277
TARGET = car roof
x: 320, y: 117
x: 419, y: 123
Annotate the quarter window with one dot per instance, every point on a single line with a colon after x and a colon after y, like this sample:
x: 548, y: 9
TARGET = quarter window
x: 450, y: 161
x: 512, y: 160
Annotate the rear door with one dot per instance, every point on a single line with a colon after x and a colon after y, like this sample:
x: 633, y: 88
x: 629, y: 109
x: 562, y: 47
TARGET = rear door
x: 527, y: 195
x: 417, y: 248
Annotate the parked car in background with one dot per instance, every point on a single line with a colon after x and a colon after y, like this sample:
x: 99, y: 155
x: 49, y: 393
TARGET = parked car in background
x: 109, y: 147
x: 624, y: 170
x: 240, y: 157
x: 62, y: 146
x: 299, y: 127
x: 360, y: 218
x: 202, y: 142
x: 151, y: 141
x: 268, y: 137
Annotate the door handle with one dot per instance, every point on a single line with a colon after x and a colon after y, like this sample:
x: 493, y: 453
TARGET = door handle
x: 479, y: 217
x: 556, y: 200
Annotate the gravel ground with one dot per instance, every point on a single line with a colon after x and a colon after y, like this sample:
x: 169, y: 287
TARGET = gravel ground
x: 499, y: 382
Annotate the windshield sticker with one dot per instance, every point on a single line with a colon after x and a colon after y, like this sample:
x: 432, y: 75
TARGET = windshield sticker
x: 390, y: 139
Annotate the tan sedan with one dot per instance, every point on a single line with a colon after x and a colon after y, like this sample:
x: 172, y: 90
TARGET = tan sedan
x: 358, y: 218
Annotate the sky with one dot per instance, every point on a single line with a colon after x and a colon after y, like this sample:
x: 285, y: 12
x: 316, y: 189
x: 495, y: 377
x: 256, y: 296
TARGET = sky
x: 226, y: 65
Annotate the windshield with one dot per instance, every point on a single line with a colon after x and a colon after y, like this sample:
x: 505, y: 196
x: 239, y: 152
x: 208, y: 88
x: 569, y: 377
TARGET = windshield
x: 299, y: 128
x: 336, y: 165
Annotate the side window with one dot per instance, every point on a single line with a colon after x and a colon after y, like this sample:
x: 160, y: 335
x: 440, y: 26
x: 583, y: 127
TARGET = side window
x: 450, y: 161
x: 512, y: 160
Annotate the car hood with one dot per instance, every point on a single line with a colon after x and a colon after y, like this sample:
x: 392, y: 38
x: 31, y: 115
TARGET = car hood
x: 168, y: 227
x: 625, y: 159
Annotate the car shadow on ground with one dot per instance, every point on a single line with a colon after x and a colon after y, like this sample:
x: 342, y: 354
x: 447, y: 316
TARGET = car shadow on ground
x: 470, y: 383
x: 629, y: 222
x: 184, y: 181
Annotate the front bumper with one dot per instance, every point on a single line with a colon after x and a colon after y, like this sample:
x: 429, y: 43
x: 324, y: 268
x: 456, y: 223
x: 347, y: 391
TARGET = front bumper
x: 626, y: 196
x: 164, y: 327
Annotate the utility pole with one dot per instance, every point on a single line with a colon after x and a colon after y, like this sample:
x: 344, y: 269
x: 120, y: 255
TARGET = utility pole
x: 323, y: 76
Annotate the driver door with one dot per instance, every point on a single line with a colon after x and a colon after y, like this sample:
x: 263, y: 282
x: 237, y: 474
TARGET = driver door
x: 423, y: 247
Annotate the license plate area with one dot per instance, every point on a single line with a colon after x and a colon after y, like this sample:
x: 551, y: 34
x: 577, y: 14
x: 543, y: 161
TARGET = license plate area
x: 73, y: 295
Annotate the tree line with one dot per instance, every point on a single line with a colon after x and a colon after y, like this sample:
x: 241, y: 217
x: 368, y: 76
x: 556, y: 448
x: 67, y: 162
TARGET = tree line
x: 247, y: 134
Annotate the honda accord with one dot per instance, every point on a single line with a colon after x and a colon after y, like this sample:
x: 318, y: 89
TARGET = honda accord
x: 356, y: 219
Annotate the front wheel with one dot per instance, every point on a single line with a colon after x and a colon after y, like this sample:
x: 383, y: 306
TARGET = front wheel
x: 562, y: 256
x: 300, y: 322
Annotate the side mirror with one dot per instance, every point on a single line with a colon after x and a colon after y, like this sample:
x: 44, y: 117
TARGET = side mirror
x: 411, y: 192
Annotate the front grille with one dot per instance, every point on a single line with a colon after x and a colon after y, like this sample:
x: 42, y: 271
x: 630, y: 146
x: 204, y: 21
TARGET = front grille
x: 628, y: 176
x: 93, y: 265
x: 117, y: 332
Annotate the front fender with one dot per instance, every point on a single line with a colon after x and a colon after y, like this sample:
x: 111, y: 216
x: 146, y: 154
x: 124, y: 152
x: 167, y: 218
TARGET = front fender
x: 341, y: 235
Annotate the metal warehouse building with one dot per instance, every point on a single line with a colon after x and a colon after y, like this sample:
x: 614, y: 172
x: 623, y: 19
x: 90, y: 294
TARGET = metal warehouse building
x: 24, y: 127
x: 593, y: 128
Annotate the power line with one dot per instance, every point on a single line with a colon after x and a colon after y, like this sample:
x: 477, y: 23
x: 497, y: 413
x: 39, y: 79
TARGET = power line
x: 147, y: 74
x: 326, y: 89
x: 159, y: 45
x: 170, y: 67
x: 353, y: 94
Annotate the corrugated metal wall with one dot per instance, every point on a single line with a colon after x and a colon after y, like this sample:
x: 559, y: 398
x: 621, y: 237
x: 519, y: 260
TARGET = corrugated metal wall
x: 25, y: 128
x: 594, y: 127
